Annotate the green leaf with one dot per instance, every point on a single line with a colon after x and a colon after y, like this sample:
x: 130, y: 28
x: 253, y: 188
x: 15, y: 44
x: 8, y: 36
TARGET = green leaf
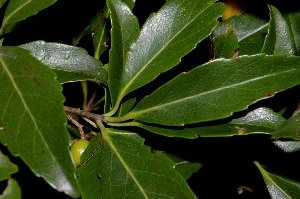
x: 184, y: 167
x: 89, y: 174
x: 125, y: 30
x: 288, y: 146
x: 12, y: 191
x: 70, y: 63
x: 252, y: 44
x: 2, y: 2
x: 100, y: 29
x: 293, y: 20
x: 249, y: 29
x: 165, y: 38
x: 127, y: 169
x: 244, y: 26
x: 6, y: 167
x: 279, y: 38
x: 278, y: 186
x: 291, y: 128
x: 33, y: 118
x: 226, y: 45
x: 126, y: 106
x: 261, y: 120
x: 130, y: 3
x: 217, y: 89
x: 18, y: 10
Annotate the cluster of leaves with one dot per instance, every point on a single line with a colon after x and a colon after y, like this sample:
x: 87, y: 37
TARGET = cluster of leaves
x: 253, y: 60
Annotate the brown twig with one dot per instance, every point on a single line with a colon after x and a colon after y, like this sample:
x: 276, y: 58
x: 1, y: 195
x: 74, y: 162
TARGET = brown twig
x: 90, y: 103
x: 83, y: 113
x: 79, y: 126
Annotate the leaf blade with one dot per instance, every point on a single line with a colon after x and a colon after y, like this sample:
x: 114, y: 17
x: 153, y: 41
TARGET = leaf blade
x: 12, y: 191
x: 6, y: 167
x: 125, y: 30
x: 247, y: 78
x: 128, y: 169
x: 279, y: 39
x: 258, y: 121
x: 29, y: 132
x: 70, y: 63
x: 166, y: 37
x: 18, y: 10
x: 278, y: 186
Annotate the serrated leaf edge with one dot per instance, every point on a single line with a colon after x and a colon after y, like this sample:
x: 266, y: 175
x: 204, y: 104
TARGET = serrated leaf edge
x: 28, y: 111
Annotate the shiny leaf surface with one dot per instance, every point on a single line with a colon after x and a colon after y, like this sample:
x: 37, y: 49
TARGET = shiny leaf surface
x: 33, y: 118
x: 279, y: 39
x: 167, y: 36
x: 293, y: 20
x: 69, y: 63
x: 125, y: 30
x: 244, y: 26
x: 125, y: 168
x: 278, y: 186
x: 222, y: 87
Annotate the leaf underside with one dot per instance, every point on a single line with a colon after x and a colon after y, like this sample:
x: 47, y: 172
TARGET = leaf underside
x: 261, y: 120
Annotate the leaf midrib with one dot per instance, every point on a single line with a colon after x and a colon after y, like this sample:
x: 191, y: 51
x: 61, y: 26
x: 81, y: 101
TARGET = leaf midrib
x: 268, y: 178
x: 126, y: 167
x: 15, y: 11
x: 127, y: 86
x: 134, y: 114
x: 26, y: 107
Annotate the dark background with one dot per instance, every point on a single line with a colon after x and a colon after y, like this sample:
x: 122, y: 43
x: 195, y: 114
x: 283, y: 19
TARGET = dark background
x: 227, y: 161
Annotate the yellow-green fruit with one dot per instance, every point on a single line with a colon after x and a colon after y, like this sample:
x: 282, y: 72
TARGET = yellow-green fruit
x: 77, y: 150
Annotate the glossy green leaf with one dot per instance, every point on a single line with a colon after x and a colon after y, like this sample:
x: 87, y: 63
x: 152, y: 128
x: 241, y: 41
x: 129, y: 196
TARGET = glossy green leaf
x: 125, y: 30
x: 288, y: 146
x: 217, y: 89
x: 167, y: 36
x: 244, y: 26
x: 12, y: 191
x: 69, y: 63
x: 33, y: 118
x: 279, y: 39
x: 125, y: 168
x: 249, y: 29
x: 278, y: 186
x: 18, y: 10
x: 6, y: 167
x: 226, y: 45
x: 261, y: 120
x: 293, y: 20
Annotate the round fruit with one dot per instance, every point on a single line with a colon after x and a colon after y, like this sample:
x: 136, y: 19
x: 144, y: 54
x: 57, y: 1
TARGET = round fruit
x: 77, y: 150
